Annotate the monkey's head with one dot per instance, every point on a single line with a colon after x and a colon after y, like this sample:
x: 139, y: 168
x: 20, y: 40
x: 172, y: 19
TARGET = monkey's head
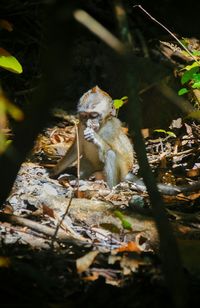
x: 95, y: 107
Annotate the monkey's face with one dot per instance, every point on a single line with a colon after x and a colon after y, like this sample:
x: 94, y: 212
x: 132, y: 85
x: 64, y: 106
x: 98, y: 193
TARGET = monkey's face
x: 94, y: 108
x: 90, y: 119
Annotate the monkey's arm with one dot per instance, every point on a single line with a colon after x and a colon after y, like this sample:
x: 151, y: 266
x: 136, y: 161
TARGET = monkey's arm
x: 66, y: 161
x: 106, y: 155
x: 70, y: 157
x: 91, y: 136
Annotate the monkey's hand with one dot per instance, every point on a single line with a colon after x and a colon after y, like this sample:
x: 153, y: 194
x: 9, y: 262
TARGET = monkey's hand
x: 91, y: 136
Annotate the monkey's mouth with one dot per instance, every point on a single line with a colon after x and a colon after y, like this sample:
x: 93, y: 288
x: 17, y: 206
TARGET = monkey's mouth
x: 93, y: 124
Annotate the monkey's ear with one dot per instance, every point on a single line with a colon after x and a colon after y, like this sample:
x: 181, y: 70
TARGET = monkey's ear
x: 113, y: 111
x: 95, y: 89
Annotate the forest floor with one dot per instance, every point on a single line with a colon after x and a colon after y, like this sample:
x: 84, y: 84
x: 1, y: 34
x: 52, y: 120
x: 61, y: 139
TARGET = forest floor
x: 63, y: 244
x: 69, y: 243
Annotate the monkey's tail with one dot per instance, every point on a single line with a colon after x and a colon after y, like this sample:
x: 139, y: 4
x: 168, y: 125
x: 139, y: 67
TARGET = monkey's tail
x: 165, y: 189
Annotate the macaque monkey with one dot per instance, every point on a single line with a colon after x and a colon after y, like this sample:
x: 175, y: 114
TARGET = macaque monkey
x: 103, y: 144
x: 105, y: 147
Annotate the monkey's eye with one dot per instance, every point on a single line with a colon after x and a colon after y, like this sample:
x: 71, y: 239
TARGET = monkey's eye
x: 83, y: 115
x: 94, y: 115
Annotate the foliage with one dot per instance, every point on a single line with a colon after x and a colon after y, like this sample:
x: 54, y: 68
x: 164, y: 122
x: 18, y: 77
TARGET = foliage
x: 7, y: 109
x: 118, y: 103
x: 191, y: 74
x: 183, y: 91
x: 171, y: 134
x: 8, y: 62
x: 125, y: 223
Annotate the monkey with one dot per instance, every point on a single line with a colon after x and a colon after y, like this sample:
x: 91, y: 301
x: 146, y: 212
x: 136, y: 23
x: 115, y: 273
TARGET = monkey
x: 104, y: 146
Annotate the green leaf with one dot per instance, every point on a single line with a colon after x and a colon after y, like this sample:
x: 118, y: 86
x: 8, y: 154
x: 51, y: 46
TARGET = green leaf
x: 15, y: 112
x: 2, y: 143
x: 10, y: 63
x: 196, y: 85
x: 124, y: 99
x: 171, y: 134
x: 183, y: 91
x: 184, y: 41
x: 125, y: 223
x: 196, y: 53
x: 7, y: 107
x: 160, y: 131
x: 118, y: 103
x: 188, y: 75
x: 196, y: 77
x: 194, y: 64
x: 185, y: 53
x: 118, y: 214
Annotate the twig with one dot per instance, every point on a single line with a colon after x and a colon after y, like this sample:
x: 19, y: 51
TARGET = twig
x: 174, y: 155
x: 61, y: 221
x: 78, y: 154
x: 61, y: 235
x: 166, y: 29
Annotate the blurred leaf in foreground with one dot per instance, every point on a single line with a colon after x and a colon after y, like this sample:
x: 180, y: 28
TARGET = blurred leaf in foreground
x: 8, y: 62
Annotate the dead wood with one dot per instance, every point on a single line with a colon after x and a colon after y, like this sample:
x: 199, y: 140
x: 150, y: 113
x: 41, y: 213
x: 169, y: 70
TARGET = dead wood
x: 61, y: 235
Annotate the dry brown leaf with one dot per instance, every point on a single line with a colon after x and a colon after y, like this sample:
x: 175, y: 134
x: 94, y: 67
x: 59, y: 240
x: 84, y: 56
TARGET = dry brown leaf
x: 191, y: 197
x: 130, y: 246
x: 8, y: 209
x: 48, y: 211
x: 92, y: 277
x: 146, y: 132
x: 80, y: 194
x: 193, y: 172
x: 183, y: 229
x: 83, y: 263
x: 131, y: 264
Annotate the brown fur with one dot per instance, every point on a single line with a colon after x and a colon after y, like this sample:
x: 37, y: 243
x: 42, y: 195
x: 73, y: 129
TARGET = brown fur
x: 103, y: 143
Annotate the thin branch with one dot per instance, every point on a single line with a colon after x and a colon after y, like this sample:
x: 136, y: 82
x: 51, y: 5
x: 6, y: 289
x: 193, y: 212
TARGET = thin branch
x: 94, y: 26
x: 170, y: 32
x: 78, y: 155
x: 61, y: 235
x: 61, y: 221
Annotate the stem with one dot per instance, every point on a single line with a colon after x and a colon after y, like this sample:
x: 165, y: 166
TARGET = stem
x: 61, y: 221
x: 78, y: 155
x: 166, y: 29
